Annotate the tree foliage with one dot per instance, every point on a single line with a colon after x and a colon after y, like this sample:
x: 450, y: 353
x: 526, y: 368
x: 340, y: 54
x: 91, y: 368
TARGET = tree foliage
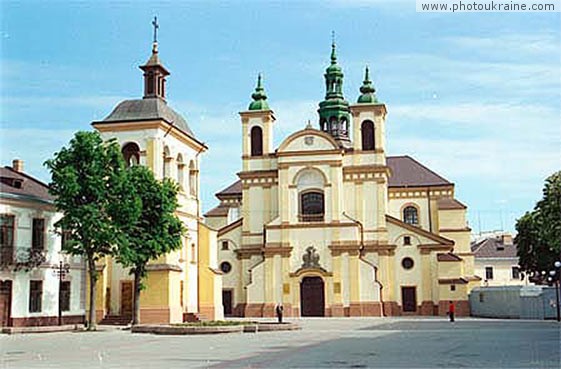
x: 539, y: 231
x: 92, y: 192
x: 155, y: 232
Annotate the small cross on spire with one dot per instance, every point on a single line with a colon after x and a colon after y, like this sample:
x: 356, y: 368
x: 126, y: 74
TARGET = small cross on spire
x: 333, y: 37
x: 156, y: 26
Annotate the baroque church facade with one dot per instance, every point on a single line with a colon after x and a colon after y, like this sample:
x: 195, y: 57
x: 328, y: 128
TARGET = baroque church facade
x: 327, y: 224
x: 182, y: 285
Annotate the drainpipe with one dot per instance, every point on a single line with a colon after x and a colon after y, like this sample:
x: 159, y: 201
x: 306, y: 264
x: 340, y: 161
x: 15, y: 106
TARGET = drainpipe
x: 361, y: 257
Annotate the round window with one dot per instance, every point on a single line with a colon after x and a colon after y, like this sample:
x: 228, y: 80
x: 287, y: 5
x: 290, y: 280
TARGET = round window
x: 225, y: 267
x: 407, y: 263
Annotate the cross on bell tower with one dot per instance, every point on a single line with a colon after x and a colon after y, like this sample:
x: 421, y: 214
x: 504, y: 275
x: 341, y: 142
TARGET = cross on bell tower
x: 154, y: 71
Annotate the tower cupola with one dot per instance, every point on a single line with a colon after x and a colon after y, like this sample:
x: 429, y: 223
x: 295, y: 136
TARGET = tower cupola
x: 154, y: 71
x: 259, y: 97
x: 367, y: 90
x: 334, y: 116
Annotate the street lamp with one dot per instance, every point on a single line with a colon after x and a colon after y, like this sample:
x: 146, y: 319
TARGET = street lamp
x: 555, y: 276
x: 60, y: 271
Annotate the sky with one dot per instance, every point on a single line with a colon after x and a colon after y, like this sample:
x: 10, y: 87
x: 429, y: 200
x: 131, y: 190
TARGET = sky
x: 474, y: 96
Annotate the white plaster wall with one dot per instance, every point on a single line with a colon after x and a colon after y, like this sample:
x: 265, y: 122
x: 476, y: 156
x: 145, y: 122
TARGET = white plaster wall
x: 502, y: 272
x: 24, y: 215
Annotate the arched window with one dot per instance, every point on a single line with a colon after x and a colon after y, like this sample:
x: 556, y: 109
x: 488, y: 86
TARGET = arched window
x: 367, y: 131
x: 256, y: 141
x: 166, y: 162
x: 410, y: 215
x: 311, y: 206
x: 180, y: 171
x: 131, y: 154
x: 192, y: 178
x: 333, y: 126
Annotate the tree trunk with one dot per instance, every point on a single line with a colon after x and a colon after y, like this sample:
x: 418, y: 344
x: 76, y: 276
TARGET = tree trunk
x: 136, y: 298
x: 92, y: 321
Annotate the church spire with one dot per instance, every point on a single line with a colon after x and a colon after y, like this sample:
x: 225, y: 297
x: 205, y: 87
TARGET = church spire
x: 334, y: 117
x: 154, y: 71
x: 367, y: 90
x: 259, y: 97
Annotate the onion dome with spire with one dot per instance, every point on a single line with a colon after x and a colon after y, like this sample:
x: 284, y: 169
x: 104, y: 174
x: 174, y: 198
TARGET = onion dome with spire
x: 367, y: 90
x: 334, y: 112
x: 259, y: 97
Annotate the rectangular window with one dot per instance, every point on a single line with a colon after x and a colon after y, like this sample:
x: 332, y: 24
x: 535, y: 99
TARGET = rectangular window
x: 515, y: 272
x: 452, y: 287
x: 7, y: 223
x: 488, y: 273
x: 407, y: 240
x: 38, y: 236
x: 66, y: 236
x: 65, y: 296
x: 224, y: 245
x: 35, y: 296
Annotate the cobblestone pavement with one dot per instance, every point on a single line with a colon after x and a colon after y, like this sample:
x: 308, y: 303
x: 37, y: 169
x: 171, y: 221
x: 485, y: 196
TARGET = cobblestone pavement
x: 322, y: 343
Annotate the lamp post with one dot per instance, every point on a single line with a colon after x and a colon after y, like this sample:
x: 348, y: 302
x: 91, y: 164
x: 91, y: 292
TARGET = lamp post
x: 60, y: 271
x: 556, y: 279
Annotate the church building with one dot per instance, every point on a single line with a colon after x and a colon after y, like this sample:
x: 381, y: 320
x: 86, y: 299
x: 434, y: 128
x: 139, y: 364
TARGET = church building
x: 327, y: 224
x: 182, y: 285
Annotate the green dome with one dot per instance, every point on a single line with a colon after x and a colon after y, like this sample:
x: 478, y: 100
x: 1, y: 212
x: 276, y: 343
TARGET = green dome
x: 259, y: 97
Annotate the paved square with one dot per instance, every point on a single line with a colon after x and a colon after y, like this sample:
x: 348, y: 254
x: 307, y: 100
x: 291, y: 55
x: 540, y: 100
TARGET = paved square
x: 323, y: 343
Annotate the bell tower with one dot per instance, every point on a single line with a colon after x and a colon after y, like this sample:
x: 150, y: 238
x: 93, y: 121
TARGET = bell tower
x: 257, y: 127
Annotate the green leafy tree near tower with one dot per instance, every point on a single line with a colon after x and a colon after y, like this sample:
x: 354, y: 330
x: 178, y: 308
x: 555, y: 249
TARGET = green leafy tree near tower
x: 89, y: 182
x: 539, y: 231
x: 111, y: 210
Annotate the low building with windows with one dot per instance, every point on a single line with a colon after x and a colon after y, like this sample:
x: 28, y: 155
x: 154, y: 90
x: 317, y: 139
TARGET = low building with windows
x: 496, y: 261
x: 327, y: 225
x: 30, y: 287
x: 185, y: 284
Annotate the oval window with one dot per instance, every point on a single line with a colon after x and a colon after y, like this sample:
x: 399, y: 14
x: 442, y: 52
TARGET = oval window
x: 225, y: 267
x: 407, y: 263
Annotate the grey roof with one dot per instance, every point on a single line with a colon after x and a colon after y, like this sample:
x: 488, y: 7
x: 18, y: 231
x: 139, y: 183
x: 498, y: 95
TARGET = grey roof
x: 148, y: 109
x: 494, y: 247
x: 408, y: 172
x: 21, y: 185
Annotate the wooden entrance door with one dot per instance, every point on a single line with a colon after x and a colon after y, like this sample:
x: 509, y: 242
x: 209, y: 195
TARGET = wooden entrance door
x: 409, y: 299
x: 126, y: 298
x: 227, y: 302
x: 312, y: 297
x: 5, y: 302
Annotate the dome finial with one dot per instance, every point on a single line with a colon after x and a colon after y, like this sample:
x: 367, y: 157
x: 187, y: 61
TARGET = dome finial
x: 259, y: 97
x: 333, y: 53
x: 155, y: 41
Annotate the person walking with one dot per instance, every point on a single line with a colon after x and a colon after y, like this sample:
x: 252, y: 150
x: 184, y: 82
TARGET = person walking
x: 279, y: 309
x: 451, y: 311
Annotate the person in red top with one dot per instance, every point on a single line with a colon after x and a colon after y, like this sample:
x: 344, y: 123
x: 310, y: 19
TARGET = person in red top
x: 451, y: 310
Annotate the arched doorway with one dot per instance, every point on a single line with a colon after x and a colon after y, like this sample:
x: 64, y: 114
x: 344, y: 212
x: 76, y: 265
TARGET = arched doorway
x: 312, y: 297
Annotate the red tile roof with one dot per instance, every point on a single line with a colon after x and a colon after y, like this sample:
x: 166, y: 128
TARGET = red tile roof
x: 408, y: 172
x: 448, y: 203
x: 448, y: 257
x: 30, y: 188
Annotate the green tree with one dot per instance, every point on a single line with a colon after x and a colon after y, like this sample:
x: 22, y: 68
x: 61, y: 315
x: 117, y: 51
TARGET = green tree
x: 91, y: 190
x: 539, y: 231
x: 157, y: 231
